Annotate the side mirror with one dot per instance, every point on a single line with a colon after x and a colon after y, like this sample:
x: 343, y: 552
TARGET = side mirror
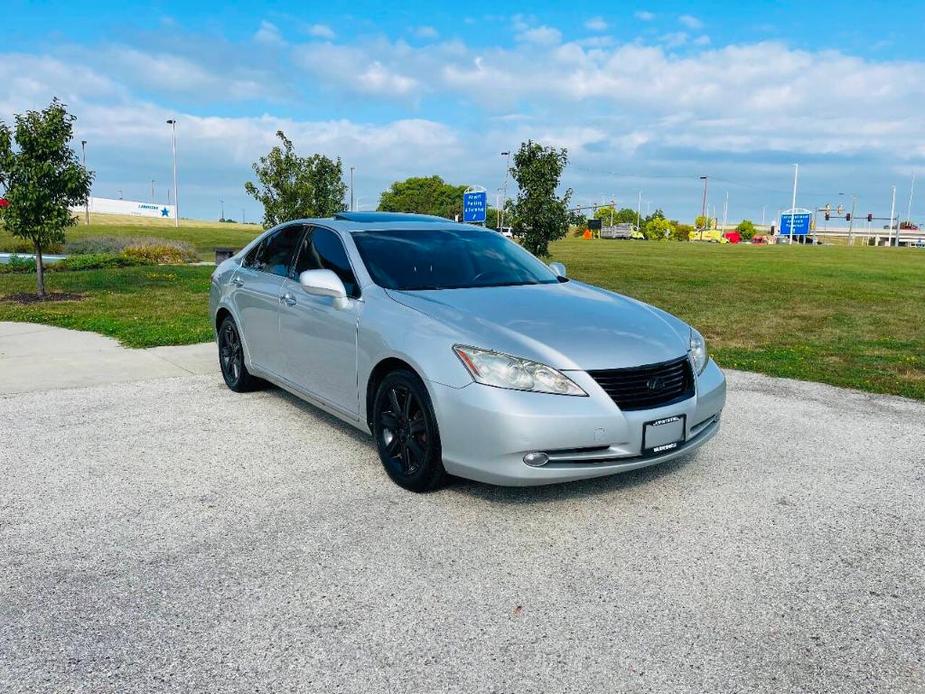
x: 558, y: 268
x: 324, y: 283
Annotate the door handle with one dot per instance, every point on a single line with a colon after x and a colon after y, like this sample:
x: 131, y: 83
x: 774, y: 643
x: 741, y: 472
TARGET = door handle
x: 287, y: 299
x: 237, y: 281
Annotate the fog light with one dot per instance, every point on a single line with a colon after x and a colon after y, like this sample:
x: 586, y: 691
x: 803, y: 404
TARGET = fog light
x: 536, y: 459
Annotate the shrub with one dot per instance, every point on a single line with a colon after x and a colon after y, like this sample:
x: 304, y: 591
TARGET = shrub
x: 17, y: 245
x: 96, y: 261
x: 18, y: 264
x: 148, y: 248
x: 160, y: 254
x: 746, y: 229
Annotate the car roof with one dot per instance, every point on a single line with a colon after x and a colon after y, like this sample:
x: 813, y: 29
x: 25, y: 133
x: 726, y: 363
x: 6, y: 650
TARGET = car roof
x: 365, y: 221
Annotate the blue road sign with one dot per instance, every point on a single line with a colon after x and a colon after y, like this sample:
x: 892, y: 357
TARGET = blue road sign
x: 475, y: 206
x: 799, y: 220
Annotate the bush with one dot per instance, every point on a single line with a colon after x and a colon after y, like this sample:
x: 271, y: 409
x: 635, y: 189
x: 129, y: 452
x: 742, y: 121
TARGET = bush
x: 746, y: 229
x: 167, y: 253
x: 96, y: 261
x: 17, y: 245
x: 18, y: 264
x: 150, y: 249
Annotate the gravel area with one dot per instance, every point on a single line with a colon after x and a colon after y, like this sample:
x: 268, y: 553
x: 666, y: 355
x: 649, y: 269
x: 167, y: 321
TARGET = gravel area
x: 174, y: 536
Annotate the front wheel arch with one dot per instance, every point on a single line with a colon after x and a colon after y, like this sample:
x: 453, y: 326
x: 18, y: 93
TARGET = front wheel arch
x: 380, y: 371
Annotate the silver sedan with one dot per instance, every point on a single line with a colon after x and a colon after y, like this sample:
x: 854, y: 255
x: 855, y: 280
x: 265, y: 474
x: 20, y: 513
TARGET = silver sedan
x: 460, y: 352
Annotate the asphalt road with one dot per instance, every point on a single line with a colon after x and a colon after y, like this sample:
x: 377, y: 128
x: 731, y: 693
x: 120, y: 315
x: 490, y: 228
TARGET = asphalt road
x: 174, y: 536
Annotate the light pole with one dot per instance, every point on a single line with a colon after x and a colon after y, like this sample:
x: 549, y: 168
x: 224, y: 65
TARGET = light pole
x: 153, y: 199
x: 892, y: 213
x: 120, y: 193
x: 223, y: 209
x: 507, y: 170
x: 793, y: 203
x: 176, y: 193
x: 83, y: 154
x: 725, y: 213
x: 909, y: 207
x: 352, y: 198
x: 638, y: 210
x: 703, y: 205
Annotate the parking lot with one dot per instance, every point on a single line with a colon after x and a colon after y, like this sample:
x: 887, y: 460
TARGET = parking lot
x: 168, y: 534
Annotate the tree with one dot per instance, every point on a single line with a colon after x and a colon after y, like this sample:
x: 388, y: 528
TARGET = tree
x: 43, y: 179
x: 623, y: 216
x: 657, y: 228
x: 423, y: 195
x: 292, y: 186
x: 539, y: 215
x: 703, y: 222
x: 746, y: 229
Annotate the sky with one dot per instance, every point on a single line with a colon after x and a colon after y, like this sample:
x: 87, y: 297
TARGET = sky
x: 646, y: 97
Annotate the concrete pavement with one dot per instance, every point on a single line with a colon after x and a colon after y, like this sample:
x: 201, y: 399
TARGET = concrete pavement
x: 169, y: 535
x: 41, y: 357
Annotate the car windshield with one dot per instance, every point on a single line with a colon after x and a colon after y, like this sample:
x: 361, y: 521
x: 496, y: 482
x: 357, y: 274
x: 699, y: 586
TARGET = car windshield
x: 447, y: 259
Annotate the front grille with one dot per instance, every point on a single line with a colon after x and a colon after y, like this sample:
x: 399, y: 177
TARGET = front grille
x: 645, y: 387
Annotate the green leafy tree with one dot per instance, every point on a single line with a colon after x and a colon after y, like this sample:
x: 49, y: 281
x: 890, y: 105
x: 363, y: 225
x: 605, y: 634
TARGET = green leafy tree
x: 423, y: 195
x: 657, y: 228
x: 43, y: 178
x: 746, y: 229
x: 622, y: 216
x: 682, y: 232
x: 291, y: 186
x: 539, y: 215
x: 703, y: 222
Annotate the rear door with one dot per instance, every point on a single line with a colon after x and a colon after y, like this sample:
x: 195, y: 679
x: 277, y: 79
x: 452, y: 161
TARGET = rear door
x: 258, y: 287
x: 320, y: 339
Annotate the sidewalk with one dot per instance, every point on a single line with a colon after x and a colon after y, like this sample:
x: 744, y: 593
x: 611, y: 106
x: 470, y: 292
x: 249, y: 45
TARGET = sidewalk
x: 40, y: 357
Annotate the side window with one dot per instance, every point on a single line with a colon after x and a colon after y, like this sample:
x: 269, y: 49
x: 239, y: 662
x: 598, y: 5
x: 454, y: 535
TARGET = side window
x: 250, y: 260
x: 323, y: 250
x: 276, y: 252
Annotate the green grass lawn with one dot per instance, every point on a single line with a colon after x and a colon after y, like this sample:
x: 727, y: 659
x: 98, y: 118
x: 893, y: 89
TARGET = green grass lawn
x: 143, y: 306
x: 204, y: 236
x: 846, y: 316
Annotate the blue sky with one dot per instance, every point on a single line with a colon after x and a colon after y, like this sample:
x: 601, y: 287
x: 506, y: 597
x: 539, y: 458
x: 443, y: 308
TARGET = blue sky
x: 646, y: 96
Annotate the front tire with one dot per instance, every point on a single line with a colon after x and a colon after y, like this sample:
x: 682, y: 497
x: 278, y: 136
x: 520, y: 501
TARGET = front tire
x: 405, y: 429
x: 231, y: 359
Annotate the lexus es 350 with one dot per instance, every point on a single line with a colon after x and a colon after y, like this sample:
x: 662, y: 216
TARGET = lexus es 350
x: 462, y: 353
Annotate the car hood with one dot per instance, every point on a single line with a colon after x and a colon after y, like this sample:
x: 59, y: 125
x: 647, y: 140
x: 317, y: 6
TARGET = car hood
x: 567, y: 325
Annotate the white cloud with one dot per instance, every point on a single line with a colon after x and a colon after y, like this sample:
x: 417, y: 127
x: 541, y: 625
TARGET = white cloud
x: 541, y: 35
x: 702, y: 40
x: 426, y: 32
x: 268, y: 34
x: 320, y: 31
x: 596, y: 24
x: 674, y: 39
x: 690, y: 21
x: 644, y: 15
x: 353, y: 69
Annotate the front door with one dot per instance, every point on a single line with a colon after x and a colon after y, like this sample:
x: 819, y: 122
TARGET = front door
x: 318, y: 338
x: 258, y: 288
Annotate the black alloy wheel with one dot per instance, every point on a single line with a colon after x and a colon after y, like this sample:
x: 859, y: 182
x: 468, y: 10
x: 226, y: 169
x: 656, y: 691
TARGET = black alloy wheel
x: 406, y: 433
x: 231, y: 358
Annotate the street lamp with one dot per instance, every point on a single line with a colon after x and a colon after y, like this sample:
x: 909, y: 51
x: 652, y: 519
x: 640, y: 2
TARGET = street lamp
x: 83, y: 154
x: 176, y: 193
x: 507, y: 170
x: 352, y: 197
x: 153, y: 198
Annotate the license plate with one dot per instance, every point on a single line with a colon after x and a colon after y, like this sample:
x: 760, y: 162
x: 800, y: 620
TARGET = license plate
x: 663, y: 435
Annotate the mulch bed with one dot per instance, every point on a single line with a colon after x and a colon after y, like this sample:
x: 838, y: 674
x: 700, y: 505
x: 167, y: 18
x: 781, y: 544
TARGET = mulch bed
x: 32, y: 298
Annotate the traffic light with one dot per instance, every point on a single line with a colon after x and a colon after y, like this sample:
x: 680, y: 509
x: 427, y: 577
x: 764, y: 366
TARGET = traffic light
x: 827, y: 216
x: 870, y: 217
x: 848, y: 217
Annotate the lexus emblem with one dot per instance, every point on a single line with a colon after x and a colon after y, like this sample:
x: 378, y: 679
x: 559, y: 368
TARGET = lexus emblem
x: 656, y: 383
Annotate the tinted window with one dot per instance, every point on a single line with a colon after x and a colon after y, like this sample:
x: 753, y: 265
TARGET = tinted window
x: 276, y: 252
x: 447, y: 259
x: 323, y: 250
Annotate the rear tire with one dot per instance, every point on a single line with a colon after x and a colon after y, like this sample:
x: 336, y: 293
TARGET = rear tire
x: 406, y: 433
x: 231, y: 359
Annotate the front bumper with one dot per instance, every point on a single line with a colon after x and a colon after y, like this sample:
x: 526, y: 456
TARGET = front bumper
x: 485, y: 431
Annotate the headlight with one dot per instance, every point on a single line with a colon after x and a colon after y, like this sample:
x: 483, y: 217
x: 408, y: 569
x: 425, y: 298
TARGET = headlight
x: 505, y: 371
x: 699, y: 354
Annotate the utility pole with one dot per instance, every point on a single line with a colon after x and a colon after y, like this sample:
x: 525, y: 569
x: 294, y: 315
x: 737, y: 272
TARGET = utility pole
x: 763, y: 208
x: 854, y: 199
x: 223, y: 210
x: 83, y: 152
x: 725, y: 213
x: 352, y: 198
x: 152, y: 191
x: 638, y: 210
x: 703, y: 205
x: 892, y: 213
x: 176, y: 193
